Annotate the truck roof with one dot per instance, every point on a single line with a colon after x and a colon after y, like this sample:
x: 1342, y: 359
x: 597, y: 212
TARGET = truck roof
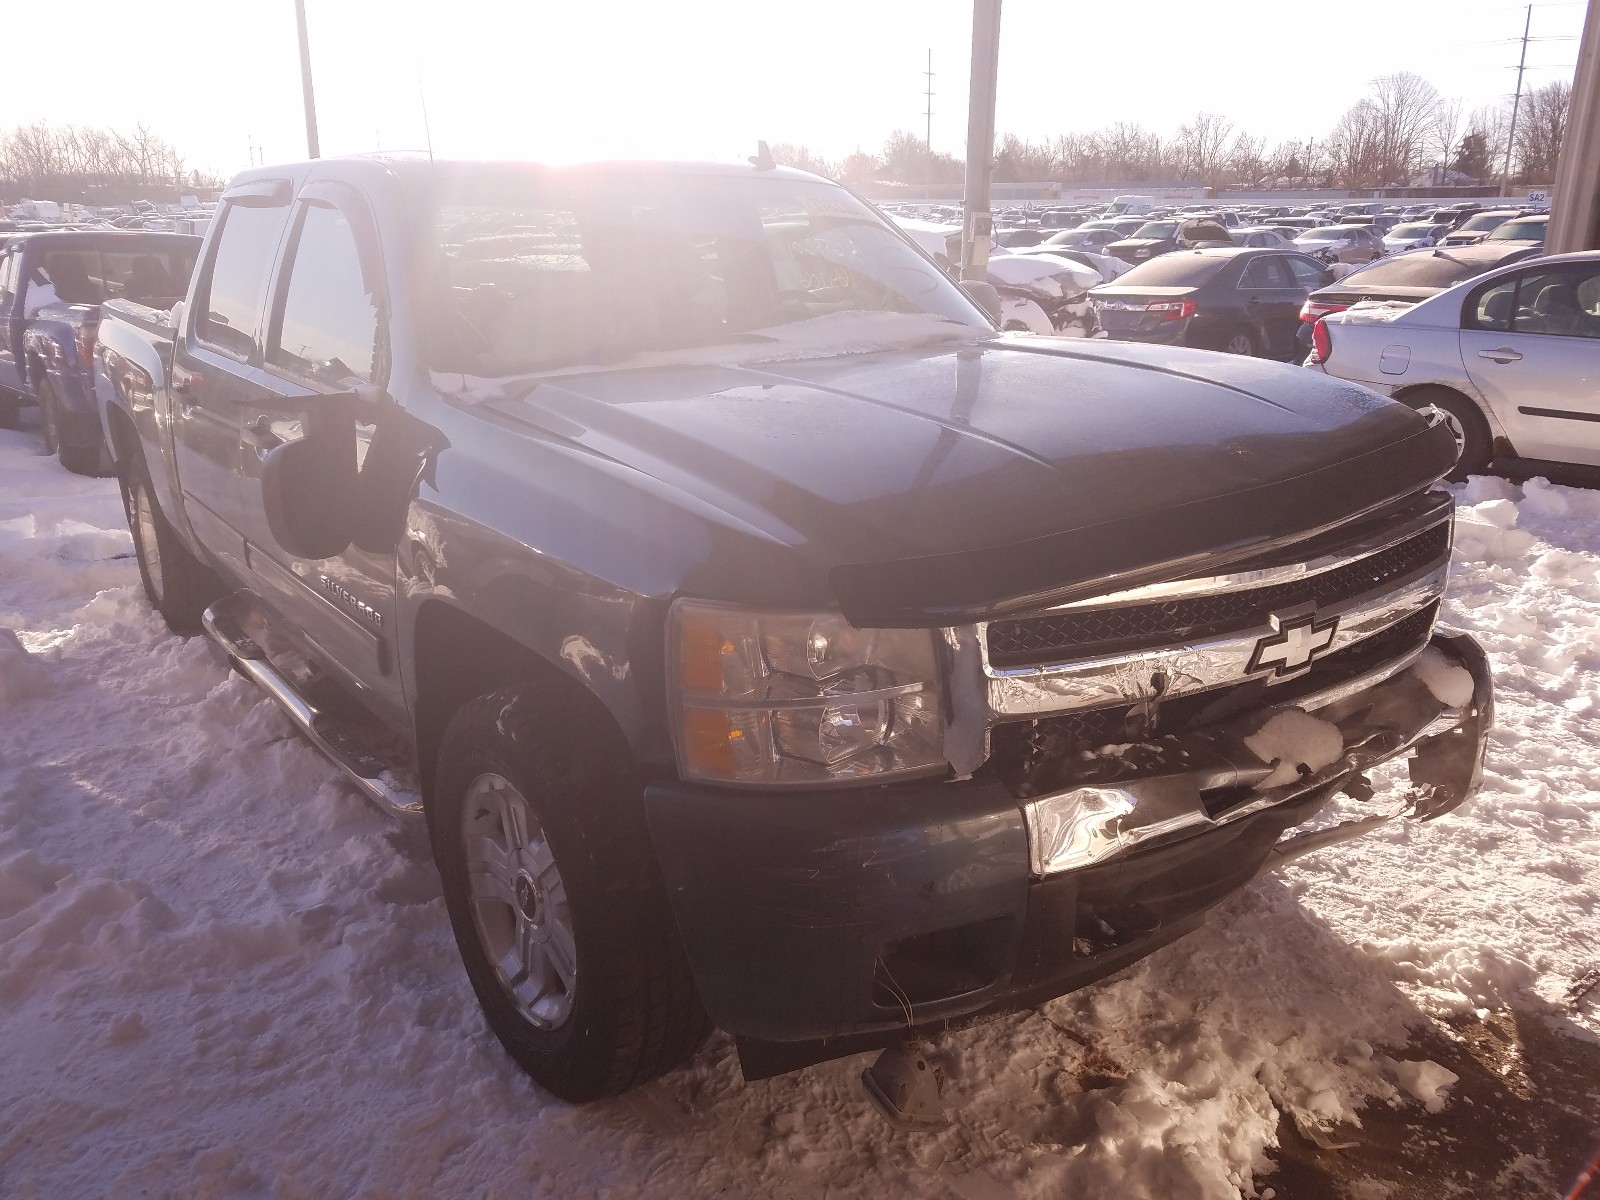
x: 408, y: 165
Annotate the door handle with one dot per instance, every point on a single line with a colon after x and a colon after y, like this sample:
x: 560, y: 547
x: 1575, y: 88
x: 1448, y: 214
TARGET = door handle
x: 258, y: 435
x: 1505, y: 354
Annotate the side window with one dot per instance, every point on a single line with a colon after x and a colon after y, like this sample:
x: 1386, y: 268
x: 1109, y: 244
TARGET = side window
x: 1307, y: 274
x: 8, y: 278
x: 1266, y: 272
x: 229, y: 309
x: 328, y: 329
x: 1492, y: 308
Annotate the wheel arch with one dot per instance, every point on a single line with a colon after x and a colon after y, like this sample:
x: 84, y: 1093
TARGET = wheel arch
x: 457, y: 656
x: 1498, y: 438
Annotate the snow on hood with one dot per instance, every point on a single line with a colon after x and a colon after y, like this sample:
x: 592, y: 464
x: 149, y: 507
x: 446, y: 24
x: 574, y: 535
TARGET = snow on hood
x: 1045, y: 272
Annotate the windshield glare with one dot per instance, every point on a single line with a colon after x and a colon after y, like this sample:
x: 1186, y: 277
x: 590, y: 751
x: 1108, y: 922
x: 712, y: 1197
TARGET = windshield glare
x: 547, y: 269
x: 1156, y: 229
x: 1323, y: 235
x: 1411, y: 231
x: 1485, y: 221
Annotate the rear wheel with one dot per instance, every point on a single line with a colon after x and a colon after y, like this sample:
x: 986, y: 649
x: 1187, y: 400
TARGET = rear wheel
x: 49, y: 421
x: 555, y: 899
x: 178, y: 585
x: 1474, y: 446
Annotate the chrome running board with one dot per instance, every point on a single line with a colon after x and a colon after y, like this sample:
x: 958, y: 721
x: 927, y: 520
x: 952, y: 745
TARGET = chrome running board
x: 223, y: 623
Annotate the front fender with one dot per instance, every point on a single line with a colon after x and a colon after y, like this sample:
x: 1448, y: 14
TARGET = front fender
x: 604, y: 638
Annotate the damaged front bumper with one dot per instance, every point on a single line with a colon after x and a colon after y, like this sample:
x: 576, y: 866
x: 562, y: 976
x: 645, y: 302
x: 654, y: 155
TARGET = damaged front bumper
x: 820, y: 924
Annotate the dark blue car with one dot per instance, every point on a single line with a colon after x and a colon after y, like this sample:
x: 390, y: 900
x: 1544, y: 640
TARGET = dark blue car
x: 51, y: 288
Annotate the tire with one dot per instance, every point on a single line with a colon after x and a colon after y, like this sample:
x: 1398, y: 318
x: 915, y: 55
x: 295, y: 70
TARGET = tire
x: 1474, y: 445
x: 1233, y: 340
x: 568, y: 940
x: 178, y: 585
x: 49, y: 425
x: 94, y: 460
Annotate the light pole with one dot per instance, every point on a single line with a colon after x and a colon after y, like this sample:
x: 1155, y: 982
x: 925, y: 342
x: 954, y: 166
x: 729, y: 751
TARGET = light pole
x: 977, y: 222
x: 313, y: 150
x: 1575, y: 206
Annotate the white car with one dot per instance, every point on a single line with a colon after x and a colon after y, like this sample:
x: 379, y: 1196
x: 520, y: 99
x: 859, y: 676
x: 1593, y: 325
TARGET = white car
x: 1511, y: 358
x: 1415, y: 235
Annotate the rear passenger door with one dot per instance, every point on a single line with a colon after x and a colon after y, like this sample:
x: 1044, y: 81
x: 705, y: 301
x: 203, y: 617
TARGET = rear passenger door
x: 216, y: 364
x: 1272, y: 301
x: 326, y: 334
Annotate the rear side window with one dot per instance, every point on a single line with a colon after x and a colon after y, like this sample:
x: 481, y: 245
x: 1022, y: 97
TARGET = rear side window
x: 229, y: 315
x: 329, y: 328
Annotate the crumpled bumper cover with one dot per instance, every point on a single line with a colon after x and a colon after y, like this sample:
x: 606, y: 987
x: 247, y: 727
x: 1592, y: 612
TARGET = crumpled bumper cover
x: 819, y: 924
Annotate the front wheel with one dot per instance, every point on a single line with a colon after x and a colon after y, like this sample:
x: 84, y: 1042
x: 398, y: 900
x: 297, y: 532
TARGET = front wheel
x: 554, y: 897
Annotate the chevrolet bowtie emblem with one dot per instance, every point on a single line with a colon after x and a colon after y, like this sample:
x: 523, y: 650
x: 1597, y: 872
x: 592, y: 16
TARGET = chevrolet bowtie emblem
x: 1291, y: 649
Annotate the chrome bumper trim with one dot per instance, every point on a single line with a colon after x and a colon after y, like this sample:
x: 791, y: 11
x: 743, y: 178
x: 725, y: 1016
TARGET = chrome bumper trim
x: 1106, y: 818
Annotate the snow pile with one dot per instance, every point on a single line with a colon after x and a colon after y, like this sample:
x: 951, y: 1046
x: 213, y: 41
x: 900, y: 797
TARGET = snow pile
x: 20, y: 675
x: 1427, y: 1081
x: 223, y: 972
x: 1298, y: 742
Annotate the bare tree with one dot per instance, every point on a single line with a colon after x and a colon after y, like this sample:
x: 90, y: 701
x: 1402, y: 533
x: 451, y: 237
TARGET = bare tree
x: 1406, y: 108
x: 789, y: 155
x: 1540, y: 127
x: 86, y: 164
x: 1199, y: 146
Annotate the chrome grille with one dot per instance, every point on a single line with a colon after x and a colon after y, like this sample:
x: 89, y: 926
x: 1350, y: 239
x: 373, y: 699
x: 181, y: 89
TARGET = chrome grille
x: 1033, y: 757
x: 1083, y: 633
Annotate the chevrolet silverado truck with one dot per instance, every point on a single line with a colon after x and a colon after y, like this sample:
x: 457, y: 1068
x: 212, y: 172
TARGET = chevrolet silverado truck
x: 767, y: 640
x: 51, y: 289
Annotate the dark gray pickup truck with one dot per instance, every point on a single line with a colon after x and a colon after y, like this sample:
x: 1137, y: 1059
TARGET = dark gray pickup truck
x: 769, y: 642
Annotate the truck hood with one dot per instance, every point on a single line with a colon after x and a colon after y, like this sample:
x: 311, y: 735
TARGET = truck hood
x: 953, y: 481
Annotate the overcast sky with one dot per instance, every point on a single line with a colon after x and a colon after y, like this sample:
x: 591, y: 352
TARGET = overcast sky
x: 706, y: 78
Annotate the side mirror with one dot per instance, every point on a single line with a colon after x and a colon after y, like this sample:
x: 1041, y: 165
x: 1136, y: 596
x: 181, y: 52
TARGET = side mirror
x: 984, y: 295
x: 310, y: 491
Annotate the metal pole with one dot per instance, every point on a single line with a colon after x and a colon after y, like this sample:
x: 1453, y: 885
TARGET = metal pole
x: 977, y: 222
x: 927, y: 167
x: 313, y: 150
x: 1575, y: 206
x: 1516, y: 103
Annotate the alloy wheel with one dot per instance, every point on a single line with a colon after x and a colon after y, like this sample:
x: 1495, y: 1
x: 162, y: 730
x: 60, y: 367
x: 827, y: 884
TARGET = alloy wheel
x: 519, y: 902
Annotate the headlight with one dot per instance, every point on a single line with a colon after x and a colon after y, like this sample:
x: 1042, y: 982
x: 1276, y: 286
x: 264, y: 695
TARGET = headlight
x: 800, y: 698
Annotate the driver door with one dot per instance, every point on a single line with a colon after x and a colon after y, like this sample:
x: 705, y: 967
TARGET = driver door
x: 326, y: 335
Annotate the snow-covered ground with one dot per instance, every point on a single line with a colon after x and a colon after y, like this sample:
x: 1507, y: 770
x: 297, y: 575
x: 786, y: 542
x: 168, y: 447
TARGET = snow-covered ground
x: 222, y: 973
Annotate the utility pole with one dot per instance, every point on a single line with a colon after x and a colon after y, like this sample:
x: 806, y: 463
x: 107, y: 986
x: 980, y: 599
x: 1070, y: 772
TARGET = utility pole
x: 977, y: 221
x: 927, y: 167
x: 1516, y: 103
x: 1575, y: 206
x: 313, y: 150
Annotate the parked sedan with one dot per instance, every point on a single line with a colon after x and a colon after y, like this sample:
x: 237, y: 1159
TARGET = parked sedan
x: 1480, y: 225
x: 1149, y: 240
x: 1414, y: 236
x: 1264, y: 237
x: 1341, y: 243
x: 1093, y: 239
x: 1510, y: 359
x: 1406, y: 279
x: 1241, y: 301
x: 1522, y: 231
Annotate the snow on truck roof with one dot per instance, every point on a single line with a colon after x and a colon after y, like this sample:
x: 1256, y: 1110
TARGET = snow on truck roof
x: 411, y: 164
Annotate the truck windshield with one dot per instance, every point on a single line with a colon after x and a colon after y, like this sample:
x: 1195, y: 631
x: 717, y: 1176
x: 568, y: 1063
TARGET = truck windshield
x: 545, y: 268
